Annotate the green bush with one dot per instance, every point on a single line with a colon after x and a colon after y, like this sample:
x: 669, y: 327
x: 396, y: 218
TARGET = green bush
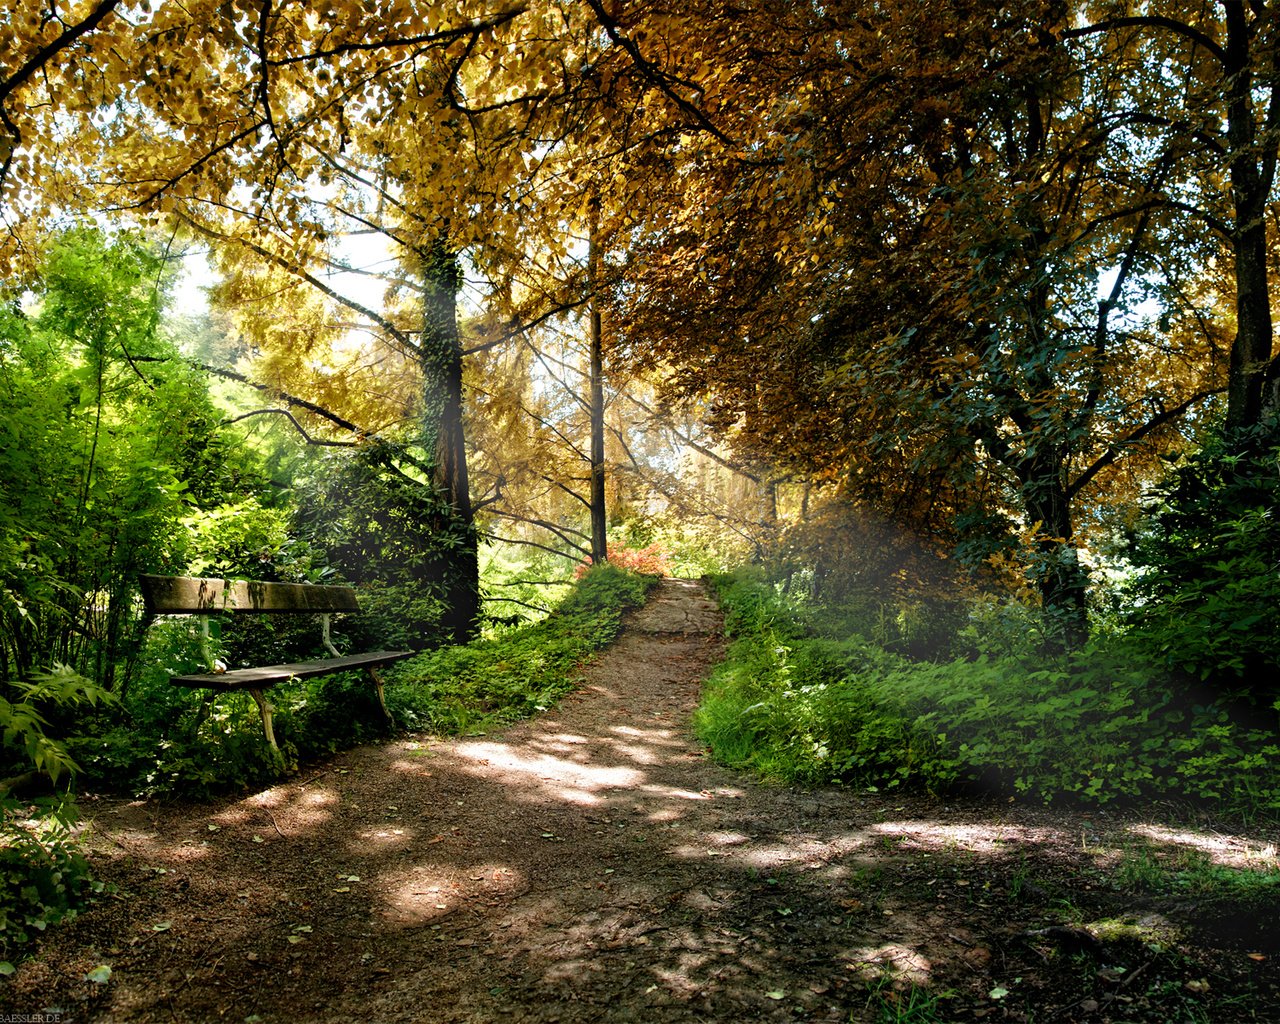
x: 44, y: 877
x: 1207, y: 591
x: 1097, y: 725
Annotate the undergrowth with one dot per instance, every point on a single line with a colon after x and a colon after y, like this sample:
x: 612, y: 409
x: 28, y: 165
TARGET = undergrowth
x: 469, y: 689
x: 44, y: 875
x: 1100, y: 725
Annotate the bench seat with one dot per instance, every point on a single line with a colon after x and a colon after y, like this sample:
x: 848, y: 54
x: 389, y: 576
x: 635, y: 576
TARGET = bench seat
x: 269, y: 675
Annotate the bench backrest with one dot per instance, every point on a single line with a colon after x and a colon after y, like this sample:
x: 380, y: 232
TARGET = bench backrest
x: 187, y: 595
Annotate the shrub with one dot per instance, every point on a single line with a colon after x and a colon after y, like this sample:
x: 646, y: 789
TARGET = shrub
x: 1207, y: 589
x: 1097, y: 725
x: 44, y: 877
x: 648, y: 561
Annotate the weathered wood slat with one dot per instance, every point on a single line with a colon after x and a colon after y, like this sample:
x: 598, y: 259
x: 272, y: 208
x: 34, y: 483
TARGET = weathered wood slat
x: 187, y: 595
x: 268, y: 675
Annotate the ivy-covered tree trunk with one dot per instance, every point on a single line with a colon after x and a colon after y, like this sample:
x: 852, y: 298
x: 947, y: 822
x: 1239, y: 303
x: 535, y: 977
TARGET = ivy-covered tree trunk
x: 443, y: 430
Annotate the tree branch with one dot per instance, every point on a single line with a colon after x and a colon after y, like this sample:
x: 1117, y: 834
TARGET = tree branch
x: 701, y: 449
x: 1152, y: 21
x: 300, y: 403
x: 395, y: 332
x: 47, y: 52
x: 560, y: 531
x: 534, y: 544
x: 652, y: 73
x: 1116, y: 449
x: 441, y: 38
x: 297, y: 426
x: 519, y: 329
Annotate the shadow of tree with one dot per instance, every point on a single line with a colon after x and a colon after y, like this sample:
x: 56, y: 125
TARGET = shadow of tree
x: 589, y: 865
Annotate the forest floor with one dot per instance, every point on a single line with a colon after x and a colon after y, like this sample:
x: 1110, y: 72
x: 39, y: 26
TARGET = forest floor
x: 593, y: 864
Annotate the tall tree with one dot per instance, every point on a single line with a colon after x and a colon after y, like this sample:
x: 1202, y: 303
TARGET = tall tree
x: 1206, y: 74
x: 930, y: 269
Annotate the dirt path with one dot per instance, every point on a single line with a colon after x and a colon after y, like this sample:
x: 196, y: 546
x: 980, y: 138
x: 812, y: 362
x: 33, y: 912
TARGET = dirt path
x: 593, y: 865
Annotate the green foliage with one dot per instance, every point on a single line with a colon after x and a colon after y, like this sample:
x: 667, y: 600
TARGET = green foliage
x: 44, y: 878
x: 1208, y: 587
x: 1097, y: 725
x: 519, y: 585
x: 232, y: 540
x: 385, y: 530
x: 466, y: 689
x: 24, y: 722
x: 109, y: 439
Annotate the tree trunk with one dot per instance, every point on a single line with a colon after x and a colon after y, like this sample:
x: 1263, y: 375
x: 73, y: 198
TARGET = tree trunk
x: 1247, y: 402
x: 1061, y: 579
x: 444, y: 430
x: 599, y: 519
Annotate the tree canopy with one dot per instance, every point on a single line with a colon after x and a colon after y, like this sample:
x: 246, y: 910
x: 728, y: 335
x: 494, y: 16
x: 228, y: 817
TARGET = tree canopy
x: 971, y: 266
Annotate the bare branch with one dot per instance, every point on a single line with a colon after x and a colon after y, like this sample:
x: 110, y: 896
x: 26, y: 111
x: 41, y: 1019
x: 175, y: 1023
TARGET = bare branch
x: 701, y: 449
x: 562, y: 532
x: 522, y: 604
x: 297, y: 426
x: 533, y: 544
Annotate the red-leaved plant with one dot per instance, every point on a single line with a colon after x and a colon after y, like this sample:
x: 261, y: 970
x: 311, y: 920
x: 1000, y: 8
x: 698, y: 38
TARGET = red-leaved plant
x: 651, y: 561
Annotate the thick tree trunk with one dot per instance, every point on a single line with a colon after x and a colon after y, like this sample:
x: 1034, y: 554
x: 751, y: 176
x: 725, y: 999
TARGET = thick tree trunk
x: 1251, y: 351
x: 599, y: 518
x: 1248, y: 401
x: 444, y: 430
x: 1059, y: 575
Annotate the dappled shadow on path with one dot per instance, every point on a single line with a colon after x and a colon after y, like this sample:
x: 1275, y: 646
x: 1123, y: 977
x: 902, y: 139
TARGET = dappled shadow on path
x: 589, y: 865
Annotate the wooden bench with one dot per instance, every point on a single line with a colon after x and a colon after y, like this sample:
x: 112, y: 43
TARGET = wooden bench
x: 185, y: 595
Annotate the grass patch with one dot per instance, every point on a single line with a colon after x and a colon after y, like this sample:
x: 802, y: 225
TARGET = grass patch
x: 906, y: 1005
x: 1179, y: 872
x: 465, y: 690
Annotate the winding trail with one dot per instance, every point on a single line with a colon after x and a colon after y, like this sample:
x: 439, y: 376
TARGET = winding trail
x: 587, y: 865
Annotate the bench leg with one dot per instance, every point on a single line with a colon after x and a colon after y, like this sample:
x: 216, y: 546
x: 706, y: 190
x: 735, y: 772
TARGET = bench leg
x: 377, y: 688
x: 265, y: 710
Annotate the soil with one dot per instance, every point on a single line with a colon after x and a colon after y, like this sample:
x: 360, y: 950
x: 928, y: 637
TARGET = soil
x: 594, y: 865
